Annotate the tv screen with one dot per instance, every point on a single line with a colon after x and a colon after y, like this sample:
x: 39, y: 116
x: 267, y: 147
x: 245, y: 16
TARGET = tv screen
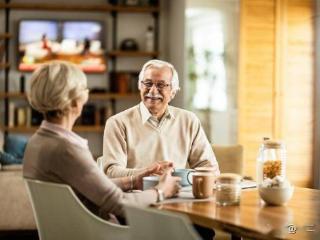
x: 80, y: 42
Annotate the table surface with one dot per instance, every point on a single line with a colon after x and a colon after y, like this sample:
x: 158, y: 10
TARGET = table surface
x: 298, y: 219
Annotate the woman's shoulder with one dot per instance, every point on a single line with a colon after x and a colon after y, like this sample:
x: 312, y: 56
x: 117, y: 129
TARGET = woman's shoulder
x: 51, y: 141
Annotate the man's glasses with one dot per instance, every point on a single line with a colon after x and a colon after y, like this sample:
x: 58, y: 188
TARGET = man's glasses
x: 160, y: 86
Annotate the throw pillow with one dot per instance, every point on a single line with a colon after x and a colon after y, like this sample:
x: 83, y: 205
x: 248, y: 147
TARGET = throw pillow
x: 7, y: 159
x: 15, y: 145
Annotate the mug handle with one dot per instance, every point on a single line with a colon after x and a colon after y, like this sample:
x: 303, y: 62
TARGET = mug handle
x: 191, y: 171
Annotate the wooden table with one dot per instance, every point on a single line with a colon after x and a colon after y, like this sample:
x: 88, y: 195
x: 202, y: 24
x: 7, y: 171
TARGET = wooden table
x: 299, y: 219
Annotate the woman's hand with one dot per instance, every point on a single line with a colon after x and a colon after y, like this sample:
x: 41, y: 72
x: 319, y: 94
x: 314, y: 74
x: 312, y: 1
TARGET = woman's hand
x: 156, y: 168
x: 168, y: 184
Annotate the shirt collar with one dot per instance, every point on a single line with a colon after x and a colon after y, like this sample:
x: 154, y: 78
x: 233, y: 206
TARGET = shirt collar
x: 69, y: 135
x: 145, y: 114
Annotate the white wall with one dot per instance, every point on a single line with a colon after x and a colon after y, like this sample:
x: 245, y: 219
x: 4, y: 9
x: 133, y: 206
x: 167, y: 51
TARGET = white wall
x: 176, y: 44
x: 221, y: 127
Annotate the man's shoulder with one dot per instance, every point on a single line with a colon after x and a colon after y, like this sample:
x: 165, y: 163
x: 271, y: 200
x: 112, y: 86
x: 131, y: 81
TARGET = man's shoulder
x: 182, y: 113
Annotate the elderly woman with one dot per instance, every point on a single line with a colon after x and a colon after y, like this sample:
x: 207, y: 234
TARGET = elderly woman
x: 56, y: 154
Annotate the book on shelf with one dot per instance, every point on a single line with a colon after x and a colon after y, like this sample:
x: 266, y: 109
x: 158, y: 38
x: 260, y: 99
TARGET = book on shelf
x: 88, y: 115
x: 29, y: 116
x: 20, y: 117
x: 11, y: 117
x: 104, y: 113
x: 25, y: 116
x: 36, y: 118
x: 124, y: 82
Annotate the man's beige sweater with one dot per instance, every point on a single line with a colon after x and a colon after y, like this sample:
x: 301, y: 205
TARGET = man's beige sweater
x: 132, y: 143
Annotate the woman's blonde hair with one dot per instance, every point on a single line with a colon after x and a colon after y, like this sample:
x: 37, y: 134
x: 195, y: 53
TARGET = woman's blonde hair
x: 54, y: 85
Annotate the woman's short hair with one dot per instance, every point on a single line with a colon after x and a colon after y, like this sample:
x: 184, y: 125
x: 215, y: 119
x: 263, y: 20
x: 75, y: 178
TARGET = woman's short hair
x: 160, y: 64
x: 54, y: 85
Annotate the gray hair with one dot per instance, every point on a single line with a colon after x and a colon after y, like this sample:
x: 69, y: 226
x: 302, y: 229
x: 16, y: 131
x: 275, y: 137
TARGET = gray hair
x: 160, y: 64
x: 54, y: 85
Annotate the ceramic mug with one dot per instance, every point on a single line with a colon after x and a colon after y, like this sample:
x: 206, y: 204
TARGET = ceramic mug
x: 150, y: 182
x: 203, y: 184
x: 206, y: 169
x: 184, y: 174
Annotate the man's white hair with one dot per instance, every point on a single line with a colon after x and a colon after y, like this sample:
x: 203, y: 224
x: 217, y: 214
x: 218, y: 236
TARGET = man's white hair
x: 155, y: 63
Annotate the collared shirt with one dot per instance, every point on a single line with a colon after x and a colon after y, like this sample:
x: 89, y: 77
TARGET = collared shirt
x: 69, y: 135
x: 147, y: 117
x: 131, y: 142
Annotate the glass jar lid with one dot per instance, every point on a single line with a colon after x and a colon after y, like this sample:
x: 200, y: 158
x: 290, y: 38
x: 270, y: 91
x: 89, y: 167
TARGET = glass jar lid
x: 229, y: 177
x: 273, y: 144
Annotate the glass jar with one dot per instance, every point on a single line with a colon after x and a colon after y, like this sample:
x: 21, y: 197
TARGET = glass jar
x: 228, y: 189
x: 271, y: 160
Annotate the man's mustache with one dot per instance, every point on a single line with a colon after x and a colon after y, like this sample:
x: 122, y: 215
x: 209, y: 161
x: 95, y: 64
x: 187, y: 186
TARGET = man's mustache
x: 150, y: 95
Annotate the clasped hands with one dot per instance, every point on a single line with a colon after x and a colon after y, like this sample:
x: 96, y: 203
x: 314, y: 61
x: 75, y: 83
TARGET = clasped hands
x: 169, y: 184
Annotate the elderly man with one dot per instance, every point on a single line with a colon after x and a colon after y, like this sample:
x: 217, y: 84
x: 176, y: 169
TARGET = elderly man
x: 153, y: 132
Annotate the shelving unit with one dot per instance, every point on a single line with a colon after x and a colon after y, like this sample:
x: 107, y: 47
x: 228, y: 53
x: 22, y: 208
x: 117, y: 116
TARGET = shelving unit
x: 80, y: 8
x: 113, y: 54
x: 32, y: 129
x: 4, y: 66
x: 92, y: 96
x: 118, y: 53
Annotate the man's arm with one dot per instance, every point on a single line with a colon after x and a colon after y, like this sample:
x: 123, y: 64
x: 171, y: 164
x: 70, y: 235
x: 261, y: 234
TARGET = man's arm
x: 114, y: 157
x: 201, y: 153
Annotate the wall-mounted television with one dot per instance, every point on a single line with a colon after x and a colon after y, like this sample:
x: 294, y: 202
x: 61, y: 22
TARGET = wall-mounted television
x: 77, y: 41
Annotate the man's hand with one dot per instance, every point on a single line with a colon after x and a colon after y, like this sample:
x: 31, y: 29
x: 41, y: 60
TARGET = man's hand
x: 158, y: 168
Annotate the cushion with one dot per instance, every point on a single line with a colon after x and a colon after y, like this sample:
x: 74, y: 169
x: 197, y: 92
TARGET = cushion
x: 6, y: 159
x: 15, y: 145
x: 15, y: 208
x: 230, y: 158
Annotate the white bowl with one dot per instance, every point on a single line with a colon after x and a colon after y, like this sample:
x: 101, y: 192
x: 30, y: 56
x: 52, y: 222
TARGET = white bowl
x: 150, y: 182
x: 276, y: 195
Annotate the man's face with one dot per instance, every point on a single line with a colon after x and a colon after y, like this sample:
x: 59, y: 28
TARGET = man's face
x: 156, y: 99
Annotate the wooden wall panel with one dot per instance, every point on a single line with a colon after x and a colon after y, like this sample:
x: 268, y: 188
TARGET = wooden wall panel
x: 298, y: 82
x: 257, y: 33
x: 276, y: 81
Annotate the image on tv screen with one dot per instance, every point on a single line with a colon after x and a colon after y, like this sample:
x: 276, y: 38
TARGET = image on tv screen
x: 79, y: 42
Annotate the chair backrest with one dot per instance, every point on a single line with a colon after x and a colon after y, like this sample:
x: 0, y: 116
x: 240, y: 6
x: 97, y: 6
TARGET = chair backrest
x: 148, y: 223
x: 230, y: 158
x: 61, y: 215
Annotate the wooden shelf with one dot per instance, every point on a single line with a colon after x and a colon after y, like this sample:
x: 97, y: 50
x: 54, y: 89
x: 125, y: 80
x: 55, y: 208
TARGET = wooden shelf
x: 32, y: 129
x: 79, y: 8
x: 116, y: 96
x: 129, y: 9
x: 13, y: 95
x: 92, y: 96
x: 132, y: 54
x: 88, y: 128
x: 4, y: 66
x: 5, y: 36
